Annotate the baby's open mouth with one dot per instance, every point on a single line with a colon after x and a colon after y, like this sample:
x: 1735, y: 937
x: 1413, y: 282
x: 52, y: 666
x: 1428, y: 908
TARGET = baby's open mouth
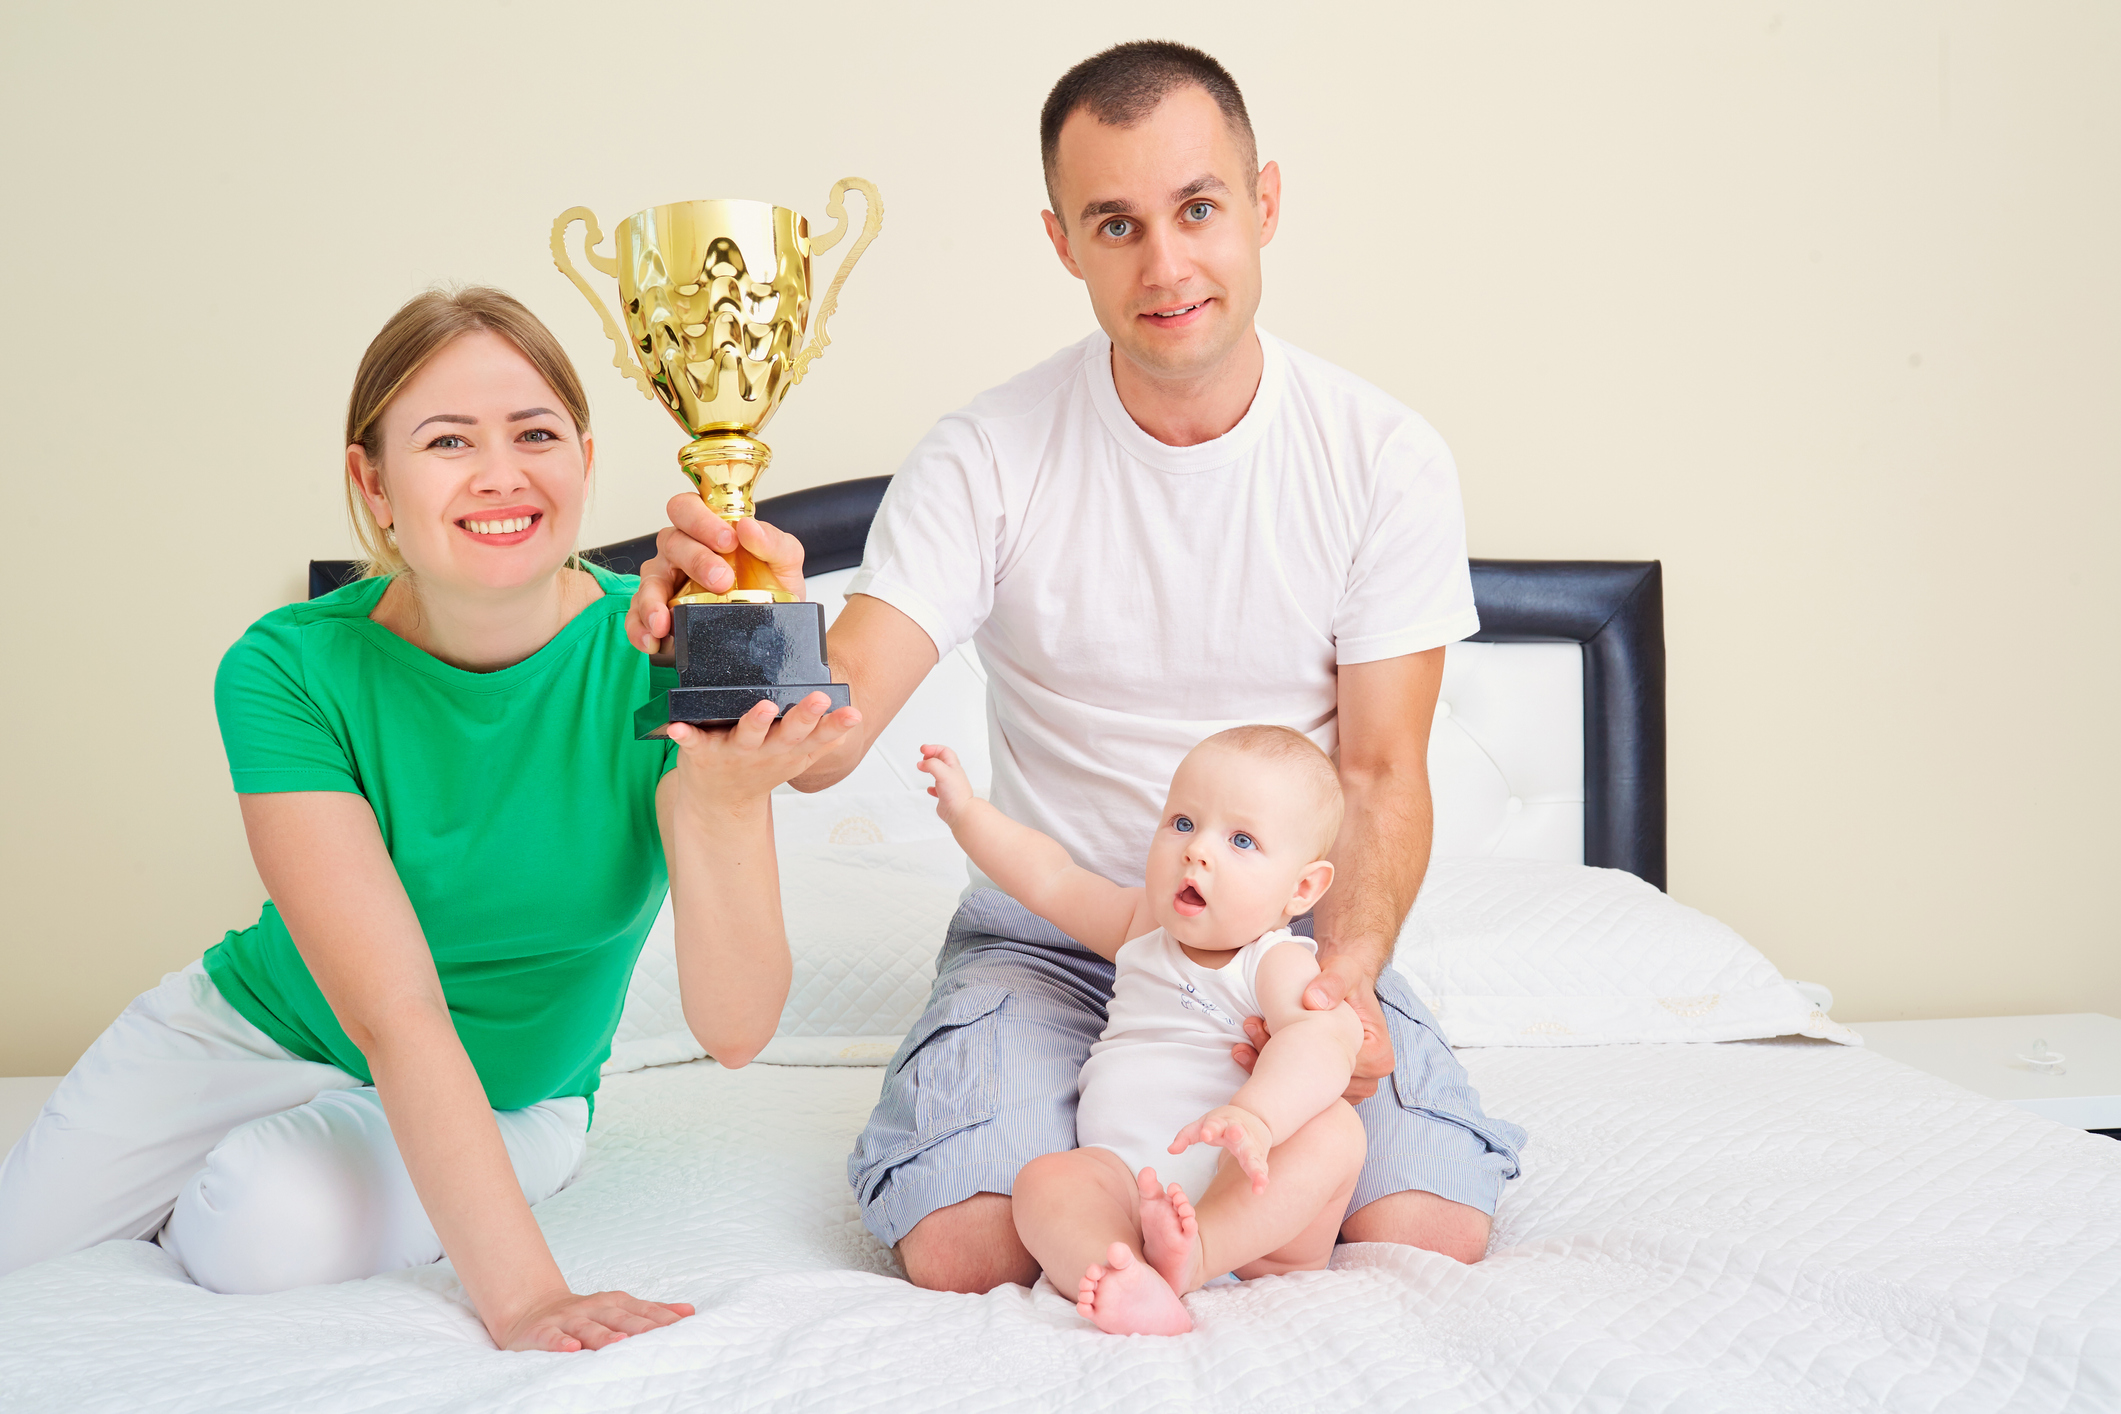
x: 1189, y: 901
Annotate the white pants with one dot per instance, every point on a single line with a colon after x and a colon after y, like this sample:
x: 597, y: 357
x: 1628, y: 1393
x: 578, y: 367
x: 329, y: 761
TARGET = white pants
x: 260, y: 1170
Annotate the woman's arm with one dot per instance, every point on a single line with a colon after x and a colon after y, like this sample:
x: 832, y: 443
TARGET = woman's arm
x: 725, y: 891
x: 324, y: 863
x: 1032, y: 868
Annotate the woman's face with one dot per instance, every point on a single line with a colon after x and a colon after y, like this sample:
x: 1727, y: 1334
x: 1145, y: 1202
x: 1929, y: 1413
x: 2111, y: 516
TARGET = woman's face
x: 483, y: 475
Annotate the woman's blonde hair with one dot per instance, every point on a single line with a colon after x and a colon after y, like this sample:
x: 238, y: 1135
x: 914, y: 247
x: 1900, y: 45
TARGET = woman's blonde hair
x: 415, y: 334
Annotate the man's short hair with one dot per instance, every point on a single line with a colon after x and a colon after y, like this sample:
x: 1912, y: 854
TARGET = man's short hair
x: 1123, y: 85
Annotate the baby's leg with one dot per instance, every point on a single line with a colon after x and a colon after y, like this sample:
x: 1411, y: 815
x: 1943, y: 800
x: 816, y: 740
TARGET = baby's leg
x: 1291, y: 1226
x: 1078, y: 1213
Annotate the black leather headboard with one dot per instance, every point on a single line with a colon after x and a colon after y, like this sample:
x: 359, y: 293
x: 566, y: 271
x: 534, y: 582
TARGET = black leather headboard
x: 1613, y: 608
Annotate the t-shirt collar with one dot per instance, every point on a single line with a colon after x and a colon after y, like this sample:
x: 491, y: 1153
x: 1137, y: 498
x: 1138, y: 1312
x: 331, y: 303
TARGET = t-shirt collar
x: 515, y: 675
x: 1207, y: 456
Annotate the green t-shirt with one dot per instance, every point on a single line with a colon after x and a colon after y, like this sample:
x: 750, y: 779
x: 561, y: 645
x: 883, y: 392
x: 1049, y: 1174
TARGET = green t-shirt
x: 517, y: 806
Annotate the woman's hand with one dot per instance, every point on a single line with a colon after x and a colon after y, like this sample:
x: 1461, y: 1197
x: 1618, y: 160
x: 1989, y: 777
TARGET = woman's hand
x: 698, y: 545
x: 751, y: 756
x: 570, y: 1322
x: 952, y: 788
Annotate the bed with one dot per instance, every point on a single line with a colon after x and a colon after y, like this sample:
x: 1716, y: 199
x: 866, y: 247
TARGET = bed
x: 1726, y: 1204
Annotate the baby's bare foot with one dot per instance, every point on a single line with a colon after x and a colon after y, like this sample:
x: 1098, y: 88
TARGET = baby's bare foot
x: 1127, y: 1297
x: 1170, y: 1236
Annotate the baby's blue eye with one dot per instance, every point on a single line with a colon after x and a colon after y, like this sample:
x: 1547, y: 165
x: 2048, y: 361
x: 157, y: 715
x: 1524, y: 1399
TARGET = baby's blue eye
x: 1182, y: 825
x: 1243, y: 841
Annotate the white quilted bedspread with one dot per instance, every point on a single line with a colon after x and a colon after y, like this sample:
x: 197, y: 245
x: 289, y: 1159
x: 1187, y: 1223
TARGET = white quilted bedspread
x: 1782, y: 1225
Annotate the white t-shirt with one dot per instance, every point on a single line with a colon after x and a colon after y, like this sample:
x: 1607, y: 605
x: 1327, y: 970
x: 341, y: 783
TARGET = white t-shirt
x: 1130, y: 598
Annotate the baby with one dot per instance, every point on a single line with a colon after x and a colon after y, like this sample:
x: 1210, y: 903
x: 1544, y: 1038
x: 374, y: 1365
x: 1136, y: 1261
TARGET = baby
x: 1203, y: 945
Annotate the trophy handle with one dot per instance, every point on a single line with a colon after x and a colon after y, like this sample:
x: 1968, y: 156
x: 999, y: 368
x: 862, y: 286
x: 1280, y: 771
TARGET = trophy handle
x: 621, y: 351
x: 836, y: 208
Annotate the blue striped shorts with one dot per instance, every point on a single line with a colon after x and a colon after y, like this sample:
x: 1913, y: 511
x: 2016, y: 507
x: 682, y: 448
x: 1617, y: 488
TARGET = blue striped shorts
x: 985, y: 1082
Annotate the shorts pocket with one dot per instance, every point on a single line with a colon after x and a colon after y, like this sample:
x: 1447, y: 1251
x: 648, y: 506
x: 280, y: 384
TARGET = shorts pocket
x: 1427, y: 1080
x: 952, y: 1060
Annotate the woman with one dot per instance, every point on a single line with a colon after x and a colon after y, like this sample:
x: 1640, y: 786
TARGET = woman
x: 460, y: 840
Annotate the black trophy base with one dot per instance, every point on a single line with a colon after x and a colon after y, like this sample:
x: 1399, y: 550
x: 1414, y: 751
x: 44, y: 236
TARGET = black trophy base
x: 731, y: 657
x: 717, y: 705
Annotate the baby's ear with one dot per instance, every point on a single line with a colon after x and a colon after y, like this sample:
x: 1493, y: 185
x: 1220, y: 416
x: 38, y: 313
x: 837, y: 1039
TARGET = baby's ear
x: 1311, y: 886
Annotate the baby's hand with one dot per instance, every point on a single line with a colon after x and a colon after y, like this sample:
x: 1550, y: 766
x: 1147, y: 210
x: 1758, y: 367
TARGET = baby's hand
x: 952, y: 788
x: 1239, y: 1133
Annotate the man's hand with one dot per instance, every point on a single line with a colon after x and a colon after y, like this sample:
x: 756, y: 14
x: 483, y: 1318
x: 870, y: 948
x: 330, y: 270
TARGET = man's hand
x: 698, y: 544
x: 1338, y: 982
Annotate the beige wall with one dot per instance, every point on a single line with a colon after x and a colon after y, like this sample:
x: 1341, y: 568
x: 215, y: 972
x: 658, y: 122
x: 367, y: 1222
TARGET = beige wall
x: 1817, y: 303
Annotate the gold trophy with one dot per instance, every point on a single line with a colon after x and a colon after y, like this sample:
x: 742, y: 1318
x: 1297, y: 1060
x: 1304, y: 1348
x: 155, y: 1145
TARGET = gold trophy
x: 716, y: 298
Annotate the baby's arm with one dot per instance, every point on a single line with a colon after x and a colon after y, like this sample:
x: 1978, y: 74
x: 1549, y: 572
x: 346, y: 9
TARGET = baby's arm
x: 1032, y: 868
x: 1303, y: 1068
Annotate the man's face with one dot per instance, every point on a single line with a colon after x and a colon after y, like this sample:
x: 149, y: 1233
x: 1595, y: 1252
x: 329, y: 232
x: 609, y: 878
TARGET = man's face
x: 1160, y: 222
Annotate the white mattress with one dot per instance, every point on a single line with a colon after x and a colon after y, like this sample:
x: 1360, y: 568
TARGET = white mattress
x: 1782, y: 1225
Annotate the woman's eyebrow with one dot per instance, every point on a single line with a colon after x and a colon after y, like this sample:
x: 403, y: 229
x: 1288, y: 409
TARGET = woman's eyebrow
x: 531, y: 412
x: 450, y: 417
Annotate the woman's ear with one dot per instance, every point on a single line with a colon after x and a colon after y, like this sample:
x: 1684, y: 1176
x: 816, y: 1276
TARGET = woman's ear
x: 367, y: 478
x: 1311, y: 886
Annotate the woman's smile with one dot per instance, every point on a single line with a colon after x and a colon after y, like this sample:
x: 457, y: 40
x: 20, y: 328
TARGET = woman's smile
x: 511, y: 525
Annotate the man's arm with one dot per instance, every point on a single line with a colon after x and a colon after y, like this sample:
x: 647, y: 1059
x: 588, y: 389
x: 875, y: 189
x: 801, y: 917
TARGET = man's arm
x: 1383, y: 850
x: 1382, y: 854
x: 883, y: 655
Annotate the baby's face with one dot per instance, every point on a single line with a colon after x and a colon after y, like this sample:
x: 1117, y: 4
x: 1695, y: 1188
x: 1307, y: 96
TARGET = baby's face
x: 1231, y: 853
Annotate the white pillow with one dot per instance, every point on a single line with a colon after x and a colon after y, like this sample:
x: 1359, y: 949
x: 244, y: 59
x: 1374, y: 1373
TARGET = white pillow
x: 1520, y: 952
x: 865, y: 920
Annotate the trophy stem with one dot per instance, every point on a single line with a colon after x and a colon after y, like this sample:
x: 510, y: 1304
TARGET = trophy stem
x: 725, y: 466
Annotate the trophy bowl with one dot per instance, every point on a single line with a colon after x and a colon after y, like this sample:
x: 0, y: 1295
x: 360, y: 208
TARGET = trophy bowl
x: 715, y: 298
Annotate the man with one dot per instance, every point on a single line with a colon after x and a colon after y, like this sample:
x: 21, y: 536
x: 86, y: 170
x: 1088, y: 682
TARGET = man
x: 1178, y: 525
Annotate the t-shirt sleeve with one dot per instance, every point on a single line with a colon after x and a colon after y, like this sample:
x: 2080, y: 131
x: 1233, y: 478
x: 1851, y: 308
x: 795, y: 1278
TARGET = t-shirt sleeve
x: 1410, y: 588
x: 661, y: 680
x: 933, y: 545
x: 276, y: 737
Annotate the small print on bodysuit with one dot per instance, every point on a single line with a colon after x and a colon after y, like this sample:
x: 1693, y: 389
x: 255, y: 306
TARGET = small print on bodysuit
x: 1194, y: 1001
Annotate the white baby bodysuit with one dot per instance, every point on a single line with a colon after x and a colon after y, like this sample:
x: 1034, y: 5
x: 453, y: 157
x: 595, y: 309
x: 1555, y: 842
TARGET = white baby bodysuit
x: 1164, y: 1058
